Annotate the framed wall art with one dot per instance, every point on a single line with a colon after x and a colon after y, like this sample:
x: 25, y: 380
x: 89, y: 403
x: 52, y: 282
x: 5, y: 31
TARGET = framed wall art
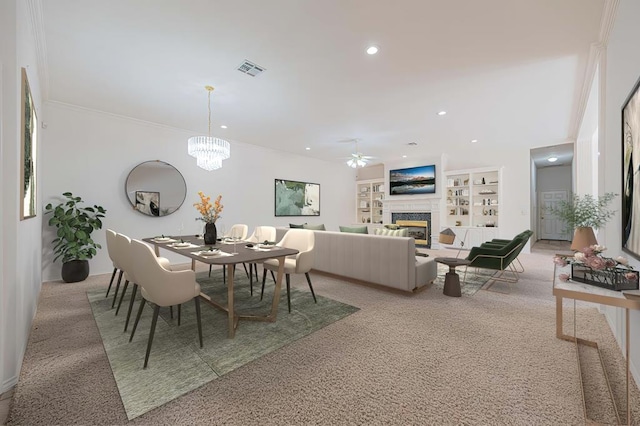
x: 28, y: 153
x: 294, y: 198
x: 413, y: 180
x: 631, y: 173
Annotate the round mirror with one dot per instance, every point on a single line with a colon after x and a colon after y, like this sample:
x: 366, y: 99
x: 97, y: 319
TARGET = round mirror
x: 155, y: 188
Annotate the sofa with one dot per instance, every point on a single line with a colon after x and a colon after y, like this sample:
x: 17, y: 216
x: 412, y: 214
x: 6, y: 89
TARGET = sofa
x: 388, y: 261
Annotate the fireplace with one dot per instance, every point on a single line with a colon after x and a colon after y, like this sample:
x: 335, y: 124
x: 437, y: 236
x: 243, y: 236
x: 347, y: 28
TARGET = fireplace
x: 417, y: 224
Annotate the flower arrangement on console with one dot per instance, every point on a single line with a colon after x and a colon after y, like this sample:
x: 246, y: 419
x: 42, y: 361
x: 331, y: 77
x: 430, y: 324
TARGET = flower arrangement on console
x: 210, y: 213
x: 601, y: 267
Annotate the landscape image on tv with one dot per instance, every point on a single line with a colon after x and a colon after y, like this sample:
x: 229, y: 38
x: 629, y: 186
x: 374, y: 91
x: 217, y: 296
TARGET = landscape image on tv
x: 413, y: 180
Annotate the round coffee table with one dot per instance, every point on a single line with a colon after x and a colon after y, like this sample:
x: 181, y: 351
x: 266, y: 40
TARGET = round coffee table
x: 452, y: 279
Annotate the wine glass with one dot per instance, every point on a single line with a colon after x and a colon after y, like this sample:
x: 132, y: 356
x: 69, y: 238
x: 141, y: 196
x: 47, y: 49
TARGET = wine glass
x: 258, y: 233
x: 223, y: 231
x: 180, y: 230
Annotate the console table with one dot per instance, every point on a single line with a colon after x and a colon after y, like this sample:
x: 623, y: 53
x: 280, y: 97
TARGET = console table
x: 629, y: 299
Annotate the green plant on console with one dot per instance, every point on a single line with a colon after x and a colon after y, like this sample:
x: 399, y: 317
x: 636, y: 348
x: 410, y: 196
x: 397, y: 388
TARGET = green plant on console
x: 74, y: 224
x: 584, y: 211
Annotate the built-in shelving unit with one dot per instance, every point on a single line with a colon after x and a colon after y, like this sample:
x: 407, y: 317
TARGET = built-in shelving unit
x: 369, y: 199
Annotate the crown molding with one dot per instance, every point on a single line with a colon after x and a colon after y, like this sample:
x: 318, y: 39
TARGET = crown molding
x: 37, y: 26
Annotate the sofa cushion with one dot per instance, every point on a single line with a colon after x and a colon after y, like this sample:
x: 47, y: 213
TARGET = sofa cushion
x: 314, y: 227
x: 354, y: 229
x: 403, y: 232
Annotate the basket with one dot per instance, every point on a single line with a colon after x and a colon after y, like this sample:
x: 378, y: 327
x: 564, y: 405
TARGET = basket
x: 446, y: 238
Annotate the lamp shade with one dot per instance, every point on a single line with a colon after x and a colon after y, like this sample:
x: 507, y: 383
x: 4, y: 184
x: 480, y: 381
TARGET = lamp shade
x: 446, y: 236
x: 583, y: 237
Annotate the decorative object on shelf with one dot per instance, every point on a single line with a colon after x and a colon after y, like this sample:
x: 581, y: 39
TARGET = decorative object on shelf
x: 357, y: 159
x: 589, y: 266
x: 294, y: 198
x: 210, y: 213
x: 73, y: 243
x: 630, y: 184
x: 584, y: 211
x: 208, y: 151
x: 28, y: 152
x: 413, y: 180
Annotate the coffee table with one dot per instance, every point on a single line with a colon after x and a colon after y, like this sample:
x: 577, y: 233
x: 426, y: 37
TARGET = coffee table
x: 452, y: 279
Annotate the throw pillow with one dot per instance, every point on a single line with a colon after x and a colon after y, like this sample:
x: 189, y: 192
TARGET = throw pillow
x: 403, y: 232
x: 354, y: 229
x: 293, y: 225
x: 314, y: 227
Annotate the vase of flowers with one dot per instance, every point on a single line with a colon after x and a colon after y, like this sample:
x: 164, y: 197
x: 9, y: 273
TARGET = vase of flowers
x: 209, y: 213
x: 589, y: 266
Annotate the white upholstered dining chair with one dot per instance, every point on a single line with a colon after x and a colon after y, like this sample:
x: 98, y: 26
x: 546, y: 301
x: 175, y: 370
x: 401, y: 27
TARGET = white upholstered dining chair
x: 111, y: 250
x: 302, y: 240
x: 161, y: 287
x: 260, y: 235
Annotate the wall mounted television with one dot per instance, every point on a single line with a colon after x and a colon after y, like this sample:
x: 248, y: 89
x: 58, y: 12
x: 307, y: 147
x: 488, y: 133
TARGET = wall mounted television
x: 630, y: 166
x: 413, y: 180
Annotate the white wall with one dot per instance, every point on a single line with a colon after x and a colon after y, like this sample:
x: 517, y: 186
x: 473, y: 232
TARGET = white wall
x: 20, y: 245
x: 90, y: 154
x: 622, y: 65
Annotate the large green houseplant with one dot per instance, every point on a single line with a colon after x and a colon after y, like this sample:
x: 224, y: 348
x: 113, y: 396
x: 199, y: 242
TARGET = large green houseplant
x: 73, y: 243
x: 583, y: 213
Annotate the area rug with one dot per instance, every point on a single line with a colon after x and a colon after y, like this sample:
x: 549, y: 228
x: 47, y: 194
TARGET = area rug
x: 475, y: 279
x: 177, y: 364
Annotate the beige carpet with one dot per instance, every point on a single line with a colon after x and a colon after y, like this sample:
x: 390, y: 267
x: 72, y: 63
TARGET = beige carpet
x: 402, y: 359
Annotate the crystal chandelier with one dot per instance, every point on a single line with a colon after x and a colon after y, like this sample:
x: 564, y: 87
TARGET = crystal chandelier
x: 208, y: 151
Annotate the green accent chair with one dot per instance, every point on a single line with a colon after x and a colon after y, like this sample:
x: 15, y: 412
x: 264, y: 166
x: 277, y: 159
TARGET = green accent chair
x: 500, y: 259
x: 497, y: 242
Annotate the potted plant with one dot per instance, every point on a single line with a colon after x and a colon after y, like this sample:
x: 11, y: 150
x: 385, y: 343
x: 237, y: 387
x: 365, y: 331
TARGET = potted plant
x: 583, y: 213
x: 73, y: 242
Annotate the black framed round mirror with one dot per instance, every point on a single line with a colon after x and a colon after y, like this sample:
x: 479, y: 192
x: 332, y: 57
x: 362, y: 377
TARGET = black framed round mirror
x: 155, y: 188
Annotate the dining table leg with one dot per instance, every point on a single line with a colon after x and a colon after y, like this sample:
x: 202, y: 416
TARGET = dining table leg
x: 276, y: 291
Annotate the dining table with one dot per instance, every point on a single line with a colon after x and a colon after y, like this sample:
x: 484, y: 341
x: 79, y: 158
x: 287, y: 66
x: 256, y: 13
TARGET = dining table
x: 227, y: 253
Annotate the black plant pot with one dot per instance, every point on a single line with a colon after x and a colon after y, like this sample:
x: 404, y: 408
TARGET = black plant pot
x: 74, y: 271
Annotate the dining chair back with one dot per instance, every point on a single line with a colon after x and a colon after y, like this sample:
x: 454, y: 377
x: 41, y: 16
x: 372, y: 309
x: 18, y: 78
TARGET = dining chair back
x: 162, y: 287
x: 263, y: 233
x: 239, y: 230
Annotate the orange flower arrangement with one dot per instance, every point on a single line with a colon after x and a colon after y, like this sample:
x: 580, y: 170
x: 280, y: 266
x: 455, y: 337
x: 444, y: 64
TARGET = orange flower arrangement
x: 210, y: 212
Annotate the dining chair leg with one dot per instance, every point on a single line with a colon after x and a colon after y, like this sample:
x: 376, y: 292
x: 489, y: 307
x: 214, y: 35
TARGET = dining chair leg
x: 306, y: 274
x: 250, y: 277
x: 171, y: 311
x: 264, y: 278
x: 124, y: 291
x: 245, y: 269
x: 210, y: 266
x: 224, y: 274
x: 179, y: 309
x: 115, y: 296
x: 273, y: 276
x: 154, y: 321
x: 111, y: 282
x: 135, y: 323
x: 288, y: 291
x: 133, y: 298
x: 198, y: 318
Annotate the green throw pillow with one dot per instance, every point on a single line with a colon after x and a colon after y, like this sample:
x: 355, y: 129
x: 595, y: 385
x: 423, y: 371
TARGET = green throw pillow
x: 354, y: 229
x: 314, y: 227
x: 293, y: 225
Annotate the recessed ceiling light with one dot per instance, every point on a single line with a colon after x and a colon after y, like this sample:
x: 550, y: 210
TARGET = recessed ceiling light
x: 372, y: 50
x: 308, y: 149
x: 412, y: 143
x: 223, y: 127
x: 552, y: 159
x: 442, y: 113
x: 474, y: 140
x: 404, y: 156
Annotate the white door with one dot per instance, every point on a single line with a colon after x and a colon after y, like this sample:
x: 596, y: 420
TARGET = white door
x: 551, y: 228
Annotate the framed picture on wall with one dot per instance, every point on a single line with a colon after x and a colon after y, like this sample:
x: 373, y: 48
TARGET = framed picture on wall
x: 293, y: 198
x: 631, y: 173
x: 28, y: 152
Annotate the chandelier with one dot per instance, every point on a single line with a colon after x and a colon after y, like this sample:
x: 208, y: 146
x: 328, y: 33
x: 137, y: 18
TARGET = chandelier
x: 208, y: 151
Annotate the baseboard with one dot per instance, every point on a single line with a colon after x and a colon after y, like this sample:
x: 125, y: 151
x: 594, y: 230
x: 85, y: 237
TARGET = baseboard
x: 8, y: 384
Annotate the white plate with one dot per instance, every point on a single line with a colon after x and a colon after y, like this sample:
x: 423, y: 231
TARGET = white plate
x: 208, y: 253
x: 181, y: 245
x: 162, y: 239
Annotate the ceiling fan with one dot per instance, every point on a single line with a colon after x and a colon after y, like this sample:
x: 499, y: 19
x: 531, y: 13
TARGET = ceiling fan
x: 357, y: 158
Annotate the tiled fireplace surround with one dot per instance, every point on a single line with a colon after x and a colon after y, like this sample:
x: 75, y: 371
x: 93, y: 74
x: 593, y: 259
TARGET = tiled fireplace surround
x: 415, y: 209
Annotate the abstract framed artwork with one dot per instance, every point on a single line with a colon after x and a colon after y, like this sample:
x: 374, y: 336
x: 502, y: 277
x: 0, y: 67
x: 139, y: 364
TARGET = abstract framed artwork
x: 631, y: 173
x: 413, y: 180
x: 293, y: 198
x: 28, y: 153
x: 148, y: 202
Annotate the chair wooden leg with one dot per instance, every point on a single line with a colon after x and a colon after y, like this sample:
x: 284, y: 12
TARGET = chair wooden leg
x: 245, y: 269
x: 273, y: 276
x: 133, y: 298
x: 124, y: 291
x: 179, y: 309
x: 250, y: 277
x: 264, y: 278
x: 111, y: 282
x: 288, y: 277
x: 135, y: 323
x: 171, y: 311
x: 210, y: 266
x: 224, y: 274
x: 115, y: 296
x: 154, y: 321
x: 198, y: 318
x: 306, y: 274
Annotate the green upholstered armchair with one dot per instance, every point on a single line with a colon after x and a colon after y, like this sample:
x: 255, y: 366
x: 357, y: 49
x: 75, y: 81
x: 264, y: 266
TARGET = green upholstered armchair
x: 499, y: 258
x: 497, y: 242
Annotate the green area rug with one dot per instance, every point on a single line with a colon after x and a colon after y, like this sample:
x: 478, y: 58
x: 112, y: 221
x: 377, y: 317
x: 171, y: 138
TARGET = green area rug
x: 476, y: 278
x: 177, y: 365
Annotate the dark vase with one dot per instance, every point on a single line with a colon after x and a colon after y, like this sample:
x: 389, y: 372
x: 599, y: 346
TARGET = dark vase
x: 74, y: 271
x: 210, y: 233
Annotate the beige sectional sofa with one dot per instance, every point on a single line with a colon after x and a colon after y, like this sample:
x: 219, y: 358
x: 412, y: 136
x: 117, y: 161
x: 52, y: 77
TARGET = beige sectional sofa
x: 383, y: 260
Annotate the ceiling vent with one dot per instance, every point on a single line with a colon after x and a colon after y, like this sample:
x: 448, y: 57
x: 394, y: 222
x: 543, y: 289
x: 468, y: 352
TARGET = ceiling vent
x: 250, y: 68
